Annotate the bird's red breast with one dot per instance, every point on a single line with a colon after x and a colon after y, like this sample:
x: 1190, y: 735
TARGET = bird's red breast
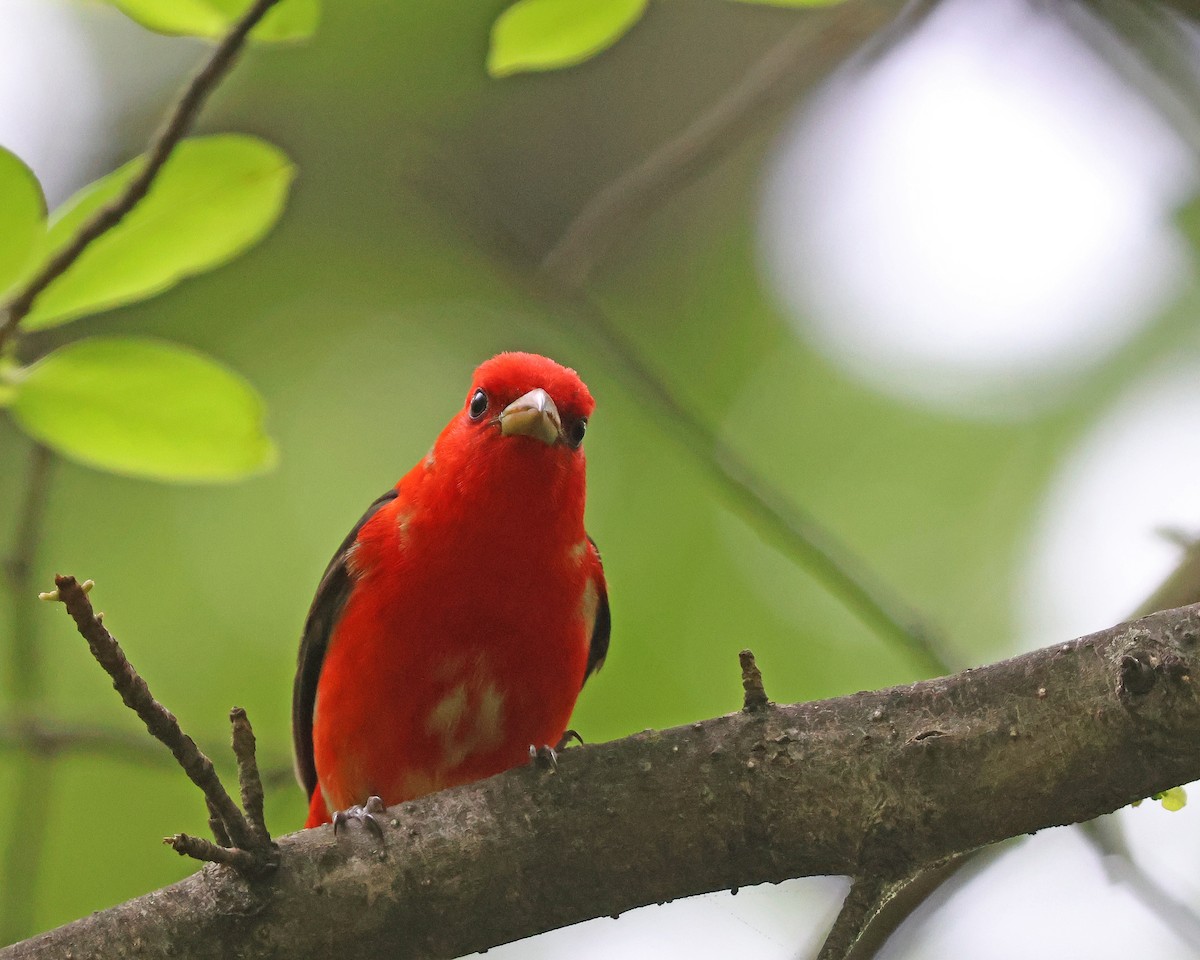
x: 457, y: 624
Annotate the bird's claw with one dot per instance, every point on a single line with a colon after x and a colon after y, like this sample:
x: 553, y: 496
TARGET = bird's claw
x: 544, y: 756
x: 365, y: 814
x: 565, y: 740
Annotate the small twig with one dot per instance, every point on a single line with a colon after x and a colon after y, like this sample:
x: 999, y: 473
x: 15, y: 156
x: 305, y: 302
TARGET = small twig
x: 177, y: 125
x: 200, y: 849
x: 754, y: 693
x: 220, y: 834
x: 158, y: 719
x: 248, y: 777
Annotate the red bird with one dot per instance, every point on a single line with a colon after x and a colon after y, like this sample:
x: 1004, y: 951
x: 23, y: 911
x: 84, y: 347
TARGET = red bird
x: 455, y: 626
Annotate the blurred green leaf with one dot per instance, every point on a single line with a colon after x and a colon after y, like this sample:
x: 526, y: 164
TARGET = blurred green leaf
x: 22, y: 218
x: 214, y: 197
x: 547, y: 34
x: 145, y: 408
x: 290, y: 20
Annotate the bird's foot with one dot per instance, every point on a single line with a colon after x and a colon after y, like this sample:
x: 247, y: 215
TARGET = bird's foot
x: 544, y: 756
x: 367, y: 815
x: 565, y: 740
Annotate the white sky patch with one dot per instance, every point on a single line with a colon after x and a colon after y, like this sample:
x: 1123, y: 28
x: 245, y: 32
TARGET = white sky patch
x: 51, y: 119
x: 1043, y: 900
x: 767, y: 922
x: 1098, y: 550
x: 980, y: 214
x: 72, y: 75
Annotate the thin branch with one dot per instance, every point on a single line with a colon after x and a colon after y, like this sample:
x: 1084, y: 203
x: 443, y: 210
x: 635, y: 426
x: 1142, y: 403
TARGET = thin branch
x: 248, y: 778
x: 754, y: 694
x: 865, y: 898
x: 158, y: 719
x: 1121, y: 33
x: 767, y: 507
x: 874, y: 907
x: 198, y: 848
x: 818, y: 43
x: 894, y: 779
x: 176, y: 127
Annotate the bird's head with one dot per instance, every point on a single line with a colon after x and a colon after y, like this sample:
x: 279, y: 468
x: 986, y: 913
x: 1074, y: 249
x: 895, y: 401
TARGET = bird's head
x: 522, y: 398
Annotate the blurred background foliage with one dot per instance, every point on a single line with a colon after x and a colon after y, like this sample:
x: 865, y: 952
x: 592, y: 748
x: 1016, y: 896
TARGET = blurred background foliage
x: 426, y: 194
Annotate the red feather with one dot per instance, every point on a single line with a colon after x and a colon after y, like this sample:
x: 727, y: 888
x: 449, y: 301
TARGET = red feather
x: 470, y: 603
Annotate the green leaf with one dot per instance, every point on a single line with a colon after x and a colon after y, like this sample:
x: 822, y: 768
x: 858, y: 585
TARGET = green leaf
x: 144, y: 408
x: 792, y: 3
x: 214, y: 197
x: 290, y: 20
x: 547, y: 34
x: 22, y: 218
x: 1173, y: 800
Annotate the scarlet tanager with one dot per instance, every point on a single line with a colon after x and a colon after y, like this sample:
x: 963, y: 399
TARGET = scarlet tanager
x: 456, y: 624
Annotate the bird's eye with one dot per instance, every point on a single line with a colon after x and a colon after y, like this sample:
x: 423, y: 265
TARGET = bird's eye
x: 576, y: 432
x: 478, y: 406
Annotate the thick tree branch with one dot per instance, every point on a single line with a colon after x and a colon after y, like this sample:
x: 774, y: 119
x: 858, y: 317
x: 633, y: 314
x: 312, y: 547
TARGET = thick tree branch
x: 875, y: 783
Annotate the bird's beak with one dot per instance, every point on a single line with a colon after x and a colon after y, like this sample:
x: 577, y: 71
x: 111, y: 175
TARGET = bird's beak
x: 533, y: 415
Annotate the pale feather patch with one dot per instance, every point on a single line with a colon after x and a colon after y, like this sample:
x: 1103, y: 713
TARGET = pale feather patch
x: 580, y: 550
x: 353, y: 567
x: 589, y: 605
x: 403, y: 522
x: 468, y: 723
x: 447, y: 714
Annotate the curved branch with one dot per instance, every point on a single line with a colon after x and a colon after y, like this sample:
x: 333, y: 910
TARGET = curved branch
x: 881, y: 782
x: 108, y: 216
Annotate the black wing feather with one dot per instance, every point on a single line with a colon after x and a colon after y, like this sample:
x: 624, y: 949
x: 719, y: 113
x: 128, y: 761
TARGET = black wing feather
x: 332, y: 593
x: 598, y: 649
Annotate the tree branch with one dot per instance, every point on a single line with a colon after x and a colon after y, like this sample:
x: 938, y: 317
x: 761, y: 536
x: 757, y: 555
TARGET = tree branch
x: 879, y: 783
x: 160, y: 722
x: 176, y: 127
x: 763, y: 504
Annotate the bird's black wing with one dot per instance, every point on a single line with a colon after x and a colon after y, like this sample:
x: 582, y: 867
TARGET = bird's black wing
x: 332, y: 593
x: 602, y: 627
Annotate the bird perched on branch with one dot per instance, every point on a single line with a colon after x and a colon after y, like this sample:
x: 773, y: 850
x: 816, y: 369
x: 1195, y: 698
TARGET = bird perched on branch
x: 455, y: 626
